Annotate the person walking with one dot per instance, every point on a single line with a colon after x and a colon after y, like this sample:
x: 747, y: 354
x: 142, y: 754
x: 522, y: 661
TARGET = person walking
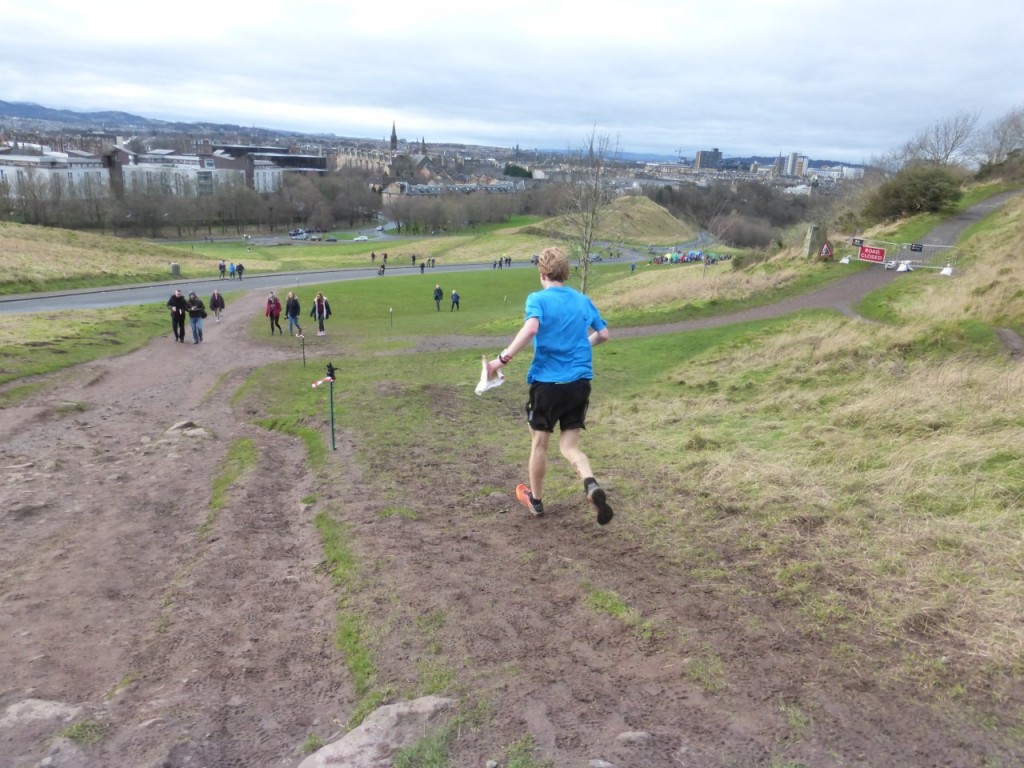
x: 196, y: 312
x: 292, y: 310
x: 273, y: 311
x: 564, y: 326
x: 438, y: 296
x: 222, y: 268
x: 239, y: 269
x: 321, y: 311
x: 217, y: 303
x: 455, y: 301
x: 231, y: 271
x: 178, y: 305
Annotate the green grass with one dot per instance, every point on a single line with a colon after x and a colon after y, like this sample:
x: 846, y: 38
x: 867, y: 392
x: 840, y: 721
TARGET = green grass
x: 521, y: 754
x: 85, y: 732
x: 429, y: 752
x: 605, y: 601
x: 864, y: 477
x: 312, y: 744
x: 707, y: 670
x: 351, y: 631
x: 37, y: 344
x: 241, y: 457
x: 334, y: 537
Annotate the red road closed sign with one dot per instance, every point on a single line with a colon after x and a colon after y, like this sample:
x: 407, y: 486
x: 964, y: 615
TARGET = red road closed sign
x: 867, y: 253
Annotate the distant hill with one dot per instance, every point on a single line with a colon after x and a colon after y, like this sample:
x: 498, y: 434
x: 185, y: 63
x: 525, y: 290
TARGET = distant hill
x: 637, y: 220
x: 26, y: 113
x: 29, y: 111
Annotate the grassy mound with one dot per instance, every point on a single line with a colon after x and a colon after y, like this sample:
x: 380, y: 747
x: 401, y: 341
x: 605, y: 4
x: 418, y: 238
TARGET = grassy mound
x: 632, y: 220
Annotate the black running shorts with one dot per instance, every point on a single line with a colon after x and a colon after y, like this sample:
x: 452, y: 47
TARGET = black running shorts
x: 561, y: 404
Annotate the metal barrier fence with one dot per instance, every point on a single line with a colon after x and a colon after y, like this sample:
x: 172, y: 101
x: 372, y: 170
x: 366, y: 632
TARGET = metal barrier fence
x: 904, y: 257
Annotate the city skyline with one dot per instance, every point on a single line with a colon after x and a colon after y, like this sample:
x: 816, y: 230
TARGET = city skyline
x: 667, y: 78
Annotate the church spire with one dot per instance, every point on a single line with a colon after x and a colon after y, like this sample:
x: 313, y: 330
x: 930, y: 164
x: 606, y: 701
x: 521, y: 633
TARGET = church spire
x: 394, y: 138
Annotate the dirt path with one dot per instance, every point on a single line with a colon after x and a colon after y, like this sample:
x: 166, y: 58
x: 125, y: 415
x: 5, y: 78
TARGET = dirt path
x: 218, y: 650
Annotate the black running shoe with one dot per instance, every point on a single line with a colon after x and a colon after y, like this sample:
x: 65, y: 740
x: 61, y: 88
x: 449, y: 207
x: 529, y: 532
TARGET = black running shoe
x: 600, y: 502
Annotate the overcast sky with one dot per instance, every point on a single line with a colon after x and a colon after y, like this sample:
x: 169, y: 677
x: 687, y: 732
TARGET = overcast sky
x: 831, y: 79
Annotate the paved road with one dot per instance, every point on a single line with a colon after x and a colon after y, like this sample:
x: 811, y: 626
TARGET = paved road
x: 148, y: 293
x: 841, y: 295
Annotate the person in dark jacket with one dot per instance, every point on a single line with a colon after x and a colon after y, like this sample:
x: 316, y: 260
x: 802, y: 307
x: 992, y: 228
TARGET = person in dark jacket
x: 438, y: 296
x: 178, y: 306
x: 217, y: 303
x: 321, y: 311
x: 293, y: 310
x: 196, y: 312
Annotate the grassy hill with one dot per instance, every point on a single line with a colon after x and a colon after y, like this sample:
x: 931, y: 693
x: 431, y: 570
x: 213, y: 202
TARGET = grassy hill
x: 865, y: 478
x: 634, y: 220
x: 45, y: 258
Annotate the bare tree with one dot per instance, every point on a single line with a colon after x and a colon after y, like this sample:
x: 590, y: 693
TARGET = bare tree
x: 588, y: 195
x: 1004, y: 136
x: 947, y: 141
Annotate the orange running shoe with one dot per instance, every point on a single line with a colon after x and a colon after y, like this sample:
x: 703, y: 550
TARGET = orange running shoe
x: 525, y: 497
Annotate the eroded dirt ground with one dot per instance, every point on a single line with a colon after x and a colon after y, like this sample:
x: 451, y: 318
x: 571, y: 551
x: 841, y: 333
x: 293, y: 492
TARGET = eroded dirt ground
x: 194, y: 649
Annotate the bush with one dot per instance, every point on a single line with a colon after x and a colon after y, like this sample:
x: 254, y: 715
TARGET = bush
x: 920, y: 188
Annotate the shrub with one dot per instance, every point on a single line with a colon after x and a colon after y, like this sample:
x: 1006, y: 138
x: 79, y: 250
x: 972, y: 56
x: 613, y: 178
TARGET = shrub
x: 920, y: 188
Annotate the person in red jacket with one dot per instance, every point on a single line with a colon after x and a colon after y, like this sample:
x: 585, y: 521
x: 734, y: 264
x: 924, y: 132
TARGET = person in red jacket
x: 273, y: 311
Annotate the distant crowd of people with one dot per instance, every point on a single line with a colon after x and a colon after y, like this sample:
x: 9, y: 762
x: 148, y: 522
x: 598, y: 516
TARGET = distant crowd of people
x: 230, y: 271
x: 193, y: 308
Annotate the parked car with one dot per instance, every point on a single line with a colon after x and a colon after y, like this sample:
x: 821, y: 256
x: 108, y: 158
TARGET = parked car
x: 360, y: 239
x: 380, y: 228
x: 331, y: 240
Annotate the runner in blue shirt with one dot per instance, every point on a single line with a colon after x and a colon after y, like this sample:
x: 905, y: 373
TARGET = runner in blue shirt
x: 564, y: 326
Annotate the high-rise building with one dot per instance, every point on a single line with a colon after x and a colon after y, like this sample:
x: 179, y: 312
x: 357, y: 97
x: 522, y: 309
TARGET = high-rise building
x: 708, y: 159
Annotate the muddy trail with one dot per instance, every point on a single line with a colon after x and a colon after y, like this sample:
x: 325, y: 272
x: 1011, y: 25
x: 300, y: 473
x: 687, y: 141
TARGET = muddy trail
x: 190, y: 639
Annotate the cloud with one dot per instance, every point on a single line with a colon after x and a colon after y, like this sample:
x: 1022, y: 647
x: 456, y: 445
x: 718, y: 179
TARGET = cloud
x: 825, y: 78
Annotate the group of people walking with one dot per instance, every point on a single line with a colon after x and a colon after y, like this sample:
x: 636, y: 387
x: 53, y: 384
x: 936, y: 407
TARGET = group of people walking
x: 195, y: 310
x: 439, y: 296
x: 292, y: 309
x: 231, y: 270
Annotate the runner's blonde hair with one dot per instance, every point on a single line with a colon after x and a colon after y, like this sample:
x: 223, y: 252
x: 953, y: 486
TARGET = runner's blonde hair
x: 553, y: 263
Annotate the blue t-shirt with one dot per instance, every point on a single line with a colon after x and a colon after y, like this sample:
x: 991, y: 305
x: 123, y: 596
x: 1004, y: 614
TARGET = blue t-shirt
x: 561, y: 348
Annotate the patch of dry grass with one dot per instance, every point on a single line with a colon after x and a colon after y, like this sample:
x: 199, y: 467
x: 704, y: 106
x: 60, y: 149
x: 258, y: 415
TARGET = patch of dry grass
x: 664, y: 285
x: 635, y: 219
x: 34, y: 255
x: 873, y: 491
x: 988, y: 285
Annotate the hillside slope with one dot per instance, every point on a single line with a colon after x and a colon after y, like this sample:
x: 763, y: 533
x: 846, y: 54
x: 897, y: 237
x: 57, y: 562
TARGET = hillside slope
x: 635, y: 220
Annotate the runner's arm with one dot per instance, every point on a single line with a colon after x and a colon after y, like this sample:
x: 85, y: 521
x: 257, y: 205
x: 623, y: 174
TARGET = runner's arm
x: 521, y: 340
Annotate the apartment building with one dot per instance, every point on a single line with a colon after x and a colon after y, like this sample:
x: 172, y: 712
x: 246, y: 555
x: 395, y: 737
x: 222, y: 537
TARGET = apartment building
x: 55, y: 174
